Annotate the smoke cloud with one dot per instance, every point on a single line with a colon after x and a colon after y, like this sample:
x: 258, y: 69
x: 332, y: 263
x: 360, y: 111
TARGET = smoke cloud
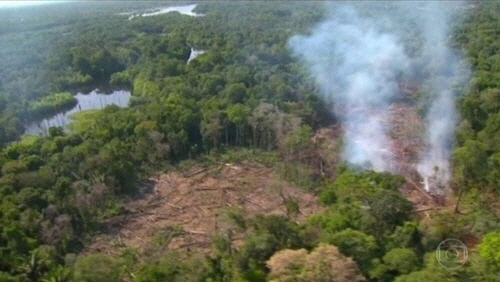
x: 445, y: 71
x: 358, y: 56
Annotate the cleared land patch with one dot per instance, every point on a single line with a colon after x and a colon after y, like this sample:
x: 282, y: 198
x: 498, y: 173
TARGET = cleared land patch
x: 185, y: 208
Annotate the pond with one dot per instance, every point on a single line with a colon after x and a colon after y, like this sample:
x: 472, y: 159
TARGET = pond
x: 185, y: 10
x: 89, y: 101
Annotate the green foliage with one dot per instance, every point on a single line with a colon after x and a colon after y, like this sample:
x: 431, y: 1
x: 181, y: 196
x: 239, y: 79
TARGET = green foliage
x: 489, y: 249
x: 168, y: 269
x: 377, y: 192
x: 244, y: 99
x: 401, y: 260
x: 389, y: 207
x: 432, y: 272
x: 236, y: 92
x: 475, y: 162
x: 406, y: 235
x: 351, y: 185
x: 82, y: 121
x: 120, y: 78
x: 7, y: 277
x: 51, y: 104
x: 358, y: 245
x: 143, y: 87
x: 264, y: 235
x: 366, y: 216
x: 341, y: 216
x: 99, y: 63
x: 299, y: 140
x: 97, y: 267
x: 75, y: 79
x: 395, y: 262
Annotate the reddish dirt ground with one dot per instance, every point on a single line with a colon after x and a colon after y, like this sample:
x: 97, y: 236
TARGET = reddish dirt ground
x: 406, y: 127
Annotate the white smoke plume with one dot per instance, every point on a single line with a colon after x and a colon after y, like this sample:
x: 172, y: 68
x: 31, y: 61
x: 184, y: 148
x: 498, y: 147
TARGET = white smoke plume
x: 445, y: 71
x: 356, y: 66
x: 358, y: 60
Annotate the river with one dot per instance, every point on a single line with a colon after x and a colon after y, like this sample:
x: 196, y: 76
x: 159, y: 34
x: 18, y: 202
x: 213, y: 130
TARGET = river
x: 194, y: 53
x: 86, y: 101
x: 185, y: 10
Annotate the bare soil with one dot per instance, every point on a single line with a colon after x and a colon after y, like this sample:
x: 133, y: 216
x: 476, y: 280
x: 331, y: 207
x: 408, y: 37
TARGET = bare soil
x: 193, y: 201
x: 406, y: 143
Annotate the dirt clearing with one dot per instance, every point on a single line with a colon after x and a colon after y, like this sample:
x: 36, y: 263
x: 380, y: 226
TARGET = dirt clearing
x: 189, y: 205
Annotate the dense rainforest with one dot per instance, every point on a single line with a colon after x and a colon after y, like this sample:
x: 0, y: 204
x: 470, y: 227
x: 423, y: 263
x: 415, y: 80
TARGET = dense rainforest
x: 245, y: 98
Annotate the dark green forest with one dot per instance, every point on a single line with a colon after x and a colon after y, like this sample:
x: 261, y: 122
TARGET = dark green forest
x: 247, y: 96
